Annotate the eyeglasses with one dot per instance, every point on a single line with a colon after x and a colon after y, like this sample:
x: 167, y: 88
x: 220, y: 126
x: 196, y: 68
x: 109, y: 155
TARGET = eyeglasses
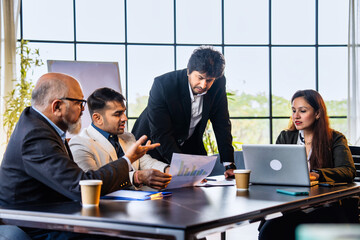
x: 81, y: 102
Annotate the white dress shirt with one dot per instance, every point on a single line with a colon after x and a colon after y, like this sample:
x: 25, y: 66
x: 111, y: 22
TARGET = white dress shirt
x: 301, y: 141
x: 196, y: 113
x: 196, y: 110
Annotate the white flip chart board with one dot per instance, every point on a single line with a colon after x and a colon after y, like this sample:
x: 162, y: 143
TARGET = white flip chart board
x: 91, y: 75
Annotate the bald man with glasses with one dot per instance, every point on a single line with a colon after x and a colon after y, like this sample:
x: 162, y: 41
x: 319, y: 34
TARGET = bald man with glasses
x: 81, y: 102
x: 38, y: 166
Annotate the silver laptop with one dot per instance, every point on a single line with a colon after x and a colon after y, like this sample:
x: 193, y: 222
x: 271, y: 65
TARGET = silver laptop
x: 277, y: 164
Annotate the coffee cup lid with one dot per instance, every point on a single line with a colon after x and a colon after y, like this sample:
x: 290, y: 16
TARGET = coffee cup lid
x: 91, y: 182
x: 242, y: 171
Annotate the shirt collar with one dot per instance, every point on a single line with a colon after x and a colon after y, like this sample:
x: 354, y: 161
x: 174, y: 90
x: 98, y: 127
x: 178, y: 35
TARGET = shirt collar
x: 301, y: 139
x: 104, y: 133
x: 192, y: 94
x: 61, y: 133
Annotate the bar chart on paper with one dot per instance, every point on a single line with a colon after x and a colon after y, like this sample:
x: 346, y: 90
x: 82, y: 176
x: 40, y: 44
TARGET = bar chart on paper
x: 194, y: 171
x: 189, y: 170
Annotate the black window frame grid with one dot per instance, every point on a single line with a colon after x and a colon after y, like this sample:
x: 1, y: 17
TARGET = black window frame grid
x: 270, y: 46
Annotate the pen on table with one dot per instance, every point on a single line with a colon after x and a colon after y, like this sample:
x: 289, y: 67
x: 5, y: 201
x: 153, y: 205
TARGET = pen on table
x: 156, y: 196
x: 210, y: 179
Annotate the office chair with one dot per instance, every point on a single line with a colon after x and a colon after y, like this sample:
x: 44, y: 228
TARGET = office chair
x: 12, y: 232
x: 219, y: 168
x: 355, y: 152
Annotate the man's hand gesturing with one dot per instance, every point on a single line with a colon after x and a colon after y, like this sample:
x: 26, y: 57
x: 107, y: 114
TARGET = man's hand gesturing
x: 137, y: 150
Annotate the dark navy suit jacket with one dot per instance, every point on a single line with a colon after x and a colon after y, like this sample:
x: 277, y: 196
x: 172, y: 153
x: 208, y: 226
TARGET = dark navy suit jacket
x: 166, y: 119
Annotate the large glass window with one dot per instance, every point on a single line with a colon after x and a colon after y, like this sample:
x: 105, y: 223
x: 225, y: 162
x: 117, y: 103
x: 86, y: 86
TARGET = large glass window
x: 198, y: 21
x: 150, y: 21
x: 293, y: 22
x: 293, y: 68
x: 272, y: 48
x: 145, y: 63
x: 48, y: 20
x: 246, y: 22
x: 100, y: 21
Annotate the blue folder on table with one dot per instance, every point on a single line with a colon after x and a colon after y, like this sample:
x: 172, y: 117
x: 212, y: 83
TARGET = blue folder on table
x: 133, y: 195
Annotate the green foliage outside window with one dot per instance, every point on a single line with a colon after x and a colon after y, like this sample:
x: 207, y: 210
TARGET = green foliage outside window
x: 20, y: 96
x: 209, y: 137
x: 256, y: 130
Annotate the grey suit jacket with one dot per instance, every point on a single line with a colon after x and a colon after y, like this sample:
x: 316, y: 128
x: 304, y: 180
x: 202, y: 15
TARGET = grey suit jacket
x: 91, y: 150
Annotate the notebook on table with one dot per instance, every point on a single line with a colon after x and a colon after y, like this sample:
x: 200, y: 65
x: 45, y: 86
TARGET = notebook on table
x: 134, y: 195
x: 277, y: 164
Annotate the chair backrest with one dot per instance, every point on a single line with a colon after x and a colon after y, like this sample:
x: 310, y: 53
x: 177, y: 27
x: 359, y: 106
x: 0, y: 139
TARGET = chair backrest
x: 355, y: 152
x: 239, y: 159
x: 219, y: 169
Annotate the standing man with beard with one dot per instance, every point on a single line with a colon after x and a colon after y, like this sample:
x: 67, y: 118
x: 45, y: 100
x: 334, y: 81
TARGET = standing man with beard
x: 38, y: 166
x: 180, y: 105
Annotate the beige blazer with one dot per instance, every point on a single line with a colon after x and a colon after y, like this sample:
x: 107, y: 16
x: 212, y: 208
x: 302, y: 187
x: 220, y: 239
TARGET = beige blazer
x: 91, y: 150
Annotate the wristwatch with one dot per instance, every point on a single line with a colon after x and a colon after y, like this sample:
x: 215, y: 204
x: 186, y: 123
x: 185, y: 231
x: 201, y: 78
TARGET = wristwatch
x: 230, y: 166
x: 166, y: 168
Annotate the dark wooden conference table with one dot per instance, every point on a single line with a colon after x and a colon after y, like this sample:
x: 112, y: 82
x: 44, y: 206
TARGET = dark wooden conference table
x: 189, y: 213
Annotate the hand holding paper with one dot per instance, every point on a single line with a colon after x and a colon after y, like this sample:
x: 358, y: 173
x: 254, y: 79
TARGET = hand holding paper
x: 153, y: 178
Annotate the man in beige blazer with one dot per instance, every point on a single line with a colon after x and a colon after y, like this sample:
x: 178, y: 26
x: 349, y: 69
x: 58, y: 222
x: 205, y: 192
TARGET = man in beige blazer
x: 105, y: 141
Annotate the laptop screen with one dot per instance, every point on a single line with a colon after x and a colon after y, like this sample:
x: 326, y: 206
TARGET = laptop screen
x: 277, y: 164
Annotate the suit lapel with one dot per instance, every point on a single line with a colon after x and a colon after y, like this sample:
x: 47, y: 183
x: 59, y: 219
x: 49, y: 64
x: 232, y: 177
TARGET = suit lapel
x: 185, y: 96
x: 206, y: 108
x: 102, y: 142
x: 122, y: 142
x: 68, y: 150
x: 65, y: 147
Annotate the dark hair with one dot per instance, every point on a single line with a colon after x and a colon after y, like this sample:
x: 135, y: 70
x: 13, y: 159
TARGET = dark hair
x: 98, y: 99
x: 321, y: 155
x: 207, y: 60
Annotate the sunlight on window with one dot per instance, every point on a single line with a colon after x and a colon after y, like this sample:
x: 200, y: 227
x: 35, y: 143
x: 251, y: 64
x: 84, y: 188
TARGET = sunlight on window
x: 160, y: 36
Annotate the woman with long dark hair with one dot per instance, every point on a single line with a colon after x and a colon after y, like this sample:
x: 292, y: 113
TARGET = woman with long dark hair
x: 329, y: 160
x: 327, y: 150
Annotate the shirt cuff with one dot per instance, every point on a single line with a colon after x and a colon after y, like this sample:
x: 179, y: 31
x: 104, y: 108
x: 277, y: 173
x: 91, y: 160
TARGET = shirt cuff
x: 129, y: 163
x: 227, y: 163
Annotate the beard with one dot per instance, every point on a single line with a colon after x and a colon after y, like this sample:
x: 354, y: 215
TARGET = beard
x: 74, y: 128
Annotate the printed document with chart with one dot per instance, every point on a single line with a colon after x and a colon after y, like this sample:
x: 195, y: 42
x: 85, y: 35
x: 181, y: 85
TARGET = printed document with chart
x: 189, y: 170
